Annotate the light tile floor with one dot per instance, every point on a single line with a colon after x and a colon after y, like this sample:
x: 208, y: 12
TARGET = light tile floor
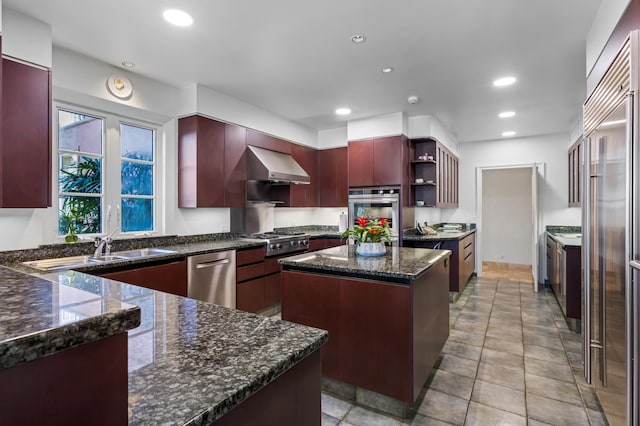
x: 510, y: 360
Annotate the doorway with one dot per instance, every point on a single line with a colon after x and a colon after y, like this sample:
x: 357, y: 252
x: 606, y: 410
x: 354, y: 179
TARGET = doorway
x: 507, y: 213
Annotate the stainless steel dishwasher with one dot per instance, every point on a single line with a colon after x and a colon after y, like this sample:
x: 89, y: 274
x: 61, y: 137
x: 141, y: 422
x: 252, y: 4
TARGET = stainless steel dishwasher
x: 212, y: 278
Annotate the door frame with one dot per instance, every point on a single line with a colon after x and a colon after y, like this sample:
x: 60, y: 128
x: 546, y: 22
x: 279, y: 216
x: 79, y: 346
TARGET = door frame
x: 537, y: 172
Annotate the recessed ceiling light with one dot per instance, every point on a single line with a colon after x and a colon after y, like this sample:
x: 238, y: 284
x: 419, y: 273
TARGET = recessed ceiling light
x: 387, y: 70
x: 509, y: 133
x: 178, y: 17
x: 343, y: 111
x: 128, y: 64
x: 504, y: 81
x: 506, y: 114
x: 358, y: 38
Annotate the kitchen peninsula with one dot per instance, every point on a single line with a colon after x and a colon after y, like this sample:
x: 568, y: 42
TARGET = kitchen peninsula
x: 387, y: 318
x: 189, y: 362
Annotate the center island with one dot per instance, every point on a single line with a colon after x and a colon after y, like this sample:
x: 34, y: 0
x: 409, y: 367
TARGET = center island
x: 387, y: 318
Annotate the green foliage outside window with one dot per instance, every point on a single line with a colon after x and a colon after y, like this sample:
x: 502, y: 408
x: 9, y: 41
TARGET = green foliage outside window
x: 80, y: 214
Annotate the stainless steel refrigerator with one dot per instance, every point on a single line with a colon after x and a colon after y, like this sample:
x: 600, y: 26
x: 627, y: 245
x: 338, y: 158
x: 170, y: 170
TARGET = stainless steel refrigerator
x: 610, y: 243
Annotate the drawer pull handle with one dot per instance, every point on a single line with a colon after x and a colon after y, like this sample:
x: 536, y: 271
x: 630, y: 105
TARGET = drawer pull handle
x: 212, y: 263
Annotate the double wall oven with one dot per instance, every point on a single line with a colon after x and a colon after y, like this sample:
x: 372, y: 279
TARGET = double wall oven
x: 377, y: 203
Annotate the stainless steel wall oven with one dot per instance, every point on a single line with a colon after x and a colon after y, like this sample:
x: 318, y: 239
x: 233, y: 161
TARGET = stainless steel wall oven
x: 376, y: 203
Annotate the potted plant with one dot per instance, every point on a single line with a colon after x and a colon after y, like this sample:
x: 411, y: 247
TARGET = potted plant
x: 369, y: 236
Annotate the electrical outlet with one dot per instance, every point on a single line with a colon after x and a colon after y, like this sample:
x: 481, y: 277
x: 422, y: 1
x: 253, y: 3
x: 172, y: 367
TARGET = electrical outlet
x: 224, y: 228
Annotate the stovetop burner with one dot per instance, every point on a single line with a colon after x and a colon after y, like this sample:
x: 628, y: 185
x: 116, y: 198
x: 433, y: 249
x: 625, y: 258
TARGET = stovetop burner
x: 281, y: 243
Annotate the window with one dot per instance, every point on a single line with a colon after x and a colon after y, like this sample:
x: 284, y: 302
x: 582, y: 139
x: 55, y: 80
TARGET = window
x: 105, y: 162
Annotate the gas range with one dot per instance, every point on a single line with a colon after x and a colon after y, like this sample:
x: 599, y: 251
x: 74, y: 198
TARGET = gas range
x: 279, y: 243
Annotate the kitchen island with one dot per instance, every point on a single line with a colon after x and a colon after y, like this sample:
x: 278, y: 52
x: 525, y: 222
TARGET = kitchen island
x: 189, y: 362
x: 387, y: 318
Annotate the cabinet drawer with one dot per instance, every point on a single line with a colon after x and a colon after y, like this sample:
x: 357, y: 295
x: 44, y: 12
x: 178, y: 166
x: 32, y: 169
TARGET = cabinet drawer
x: 247, y: 257
x: 250, y: 295
x: 317, y: 244
x: 271, y: 265
x: 244, y: 273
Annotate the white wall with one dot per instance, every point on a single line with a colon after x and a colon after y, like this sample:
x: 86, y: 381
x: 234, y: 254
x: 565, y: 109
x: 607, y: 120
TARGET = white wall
x: 332, y: 138
x: 379, y: 126
x: 26, y: 38
x: 603, y: 24
x: 507, y: 216
x: 551, y: 150
x: 218, y: 105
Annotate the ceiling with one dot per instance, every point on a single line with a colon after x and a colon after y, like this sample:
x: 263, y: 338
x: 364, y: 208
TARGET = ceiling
x: 296, y: 59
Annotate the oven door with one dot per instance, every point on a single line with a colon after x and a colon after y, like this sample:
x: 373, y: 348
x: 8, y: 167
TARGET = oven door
x: 372, y: 206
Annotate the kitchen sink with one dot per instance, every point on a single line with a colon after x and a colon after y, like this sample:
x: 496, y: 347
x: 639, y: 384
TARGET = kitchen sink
x: 62, y: 263
x: 145, y: 252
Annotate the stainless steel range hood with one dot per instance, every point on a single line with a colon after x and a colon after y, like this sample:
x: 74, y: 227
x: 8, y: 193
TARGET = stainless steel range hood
x: 264, y: 165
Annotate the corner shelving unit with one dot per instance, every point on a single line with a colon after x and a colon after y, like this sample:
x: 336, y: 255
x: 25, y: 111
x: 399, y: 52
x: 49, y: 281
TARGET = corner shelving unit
x: 439, y: 186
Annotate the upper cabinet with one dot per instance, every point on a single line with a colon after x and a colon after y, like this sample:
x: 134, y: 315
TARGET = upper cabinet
x: 333, y: 186
x: 201, y: 162
x: 305, y: 195
x: 378, y: 162
x: 575, y: 174
x: 25, y: 144
x: 265, y: 141
x: 434, y: 174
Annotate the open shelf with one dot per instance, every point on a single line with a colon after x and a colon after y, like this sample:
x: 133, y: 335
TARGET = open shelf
x: 423, y: 161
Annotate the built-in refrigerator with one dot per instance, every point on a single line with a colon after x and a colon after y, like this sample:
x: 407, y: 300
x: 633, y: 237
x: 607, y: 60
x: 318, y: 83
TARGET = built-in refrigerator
x: 611, y: 236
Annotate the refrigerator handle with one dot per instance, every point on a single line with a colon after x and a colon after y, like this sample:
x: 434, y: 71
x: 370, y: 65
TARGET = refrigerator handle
x: 635, y: 265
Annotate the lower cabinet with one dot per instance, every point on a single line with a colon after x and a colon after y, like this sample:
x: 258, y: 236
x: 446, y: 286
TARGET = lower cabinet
x: 258, y: 281
x: 463, y: 259
x: 564, y: 275
x: 167, y: 277
x: 323, y: 243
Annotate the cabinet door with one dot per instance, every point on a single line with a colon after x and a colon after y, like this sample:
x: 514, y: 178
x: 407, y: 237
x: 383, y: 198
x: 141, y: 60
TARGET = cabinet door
x: 235, y: 169
x: 272, y: 289
x: 305, y: 195
x: 201, y: 174
x: 332, y: 170
x: 250, y: 295
x: 25, y: 152
x: 169, y: 277
x: 360, y: 158
x: 388, y: 161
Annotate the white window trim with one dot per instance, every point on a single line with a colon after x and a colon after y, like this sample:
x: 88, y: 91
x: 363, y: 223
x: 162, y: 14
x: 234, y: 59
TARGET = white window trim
x: 111, y: 180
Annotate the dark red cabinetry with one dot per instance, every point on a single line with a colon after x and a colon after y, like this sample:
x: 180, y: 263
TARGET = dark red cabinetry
x: 332, y: 176
x: 235, y: 169
x: 265, y: 141
x: 439, y: 174
x: 305, y: 195
x: 25, y: 152
x: 258, y: 281
x: 201, y: 162
x: 168, y: 277
x: 379, y: 161
x: 575, y: 174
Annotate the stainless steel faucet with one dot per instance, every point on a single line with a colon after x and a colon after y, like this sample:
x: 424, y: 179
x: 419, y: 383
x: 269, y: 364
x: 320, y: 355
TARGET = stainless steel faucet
x: 104, y: 243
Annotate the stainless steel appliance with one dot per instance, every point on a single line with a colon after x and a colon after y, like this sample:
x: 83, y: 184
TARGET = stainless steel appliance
x: 611, y: 237
x: 376, y: 203
x: 282, y: 243
x: 212, y: 278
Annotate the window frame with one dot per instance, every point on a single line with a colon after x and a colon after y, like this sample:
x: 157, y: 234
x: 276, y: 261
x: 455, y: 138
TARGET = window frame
x: 111, y: 218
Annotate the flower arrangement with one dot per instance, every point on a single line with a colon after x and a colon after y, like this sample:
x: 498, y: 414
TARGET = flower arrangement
x: 369, y: 231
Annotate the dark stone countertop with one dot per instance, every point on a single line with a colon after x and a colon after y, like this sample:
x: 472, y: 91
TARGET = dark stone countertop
x: 191, y: 362
x: 400, y: 264
x: 40, y: 318
x: 412, y: 235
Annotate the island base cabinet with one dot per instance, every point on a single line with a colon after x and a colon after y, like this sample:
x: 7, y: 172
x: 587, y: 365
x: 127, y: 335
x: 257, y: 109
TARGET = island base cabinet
x: 293, y: 399
x: 383, y: 337
x: 83, y: 385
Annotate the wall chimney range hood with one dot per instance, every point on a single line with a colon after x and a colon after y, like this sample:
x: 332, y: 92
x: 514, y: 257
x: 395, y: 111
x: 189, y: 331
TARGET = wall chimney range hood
x: 264, y: 165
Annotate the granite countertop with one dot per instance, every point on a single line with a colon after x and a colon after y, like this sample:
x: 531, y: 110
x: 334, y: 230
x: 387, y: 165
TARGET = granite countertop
x: 566, y: 235
x: 190, y: 361
x: 41, y: 318
x: 412, y: 235
x: 400, y: 264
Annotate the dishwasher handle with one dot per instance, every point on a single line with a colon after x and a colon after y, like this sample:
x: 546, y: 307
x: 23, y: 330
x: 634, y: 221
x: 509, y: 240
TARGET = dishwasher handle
x: 212, y: 263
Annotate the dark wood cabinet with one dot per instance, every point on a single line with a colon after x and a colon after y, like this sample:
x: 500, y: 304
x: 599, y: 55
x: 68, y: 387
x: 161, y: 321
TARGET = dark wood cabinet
x: 25, y: 154
x: 575, y: 174
x: 378, y: 162
x: 235, y: 169
x: 258, y: 280
x: 564, y: 275
x: 305, y: 195
x: 201, y: 159
x: 463, y: 259
x: 323, y: 243
x: 437, y: 167
x: 168, y: 277
x: 332, y: 177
